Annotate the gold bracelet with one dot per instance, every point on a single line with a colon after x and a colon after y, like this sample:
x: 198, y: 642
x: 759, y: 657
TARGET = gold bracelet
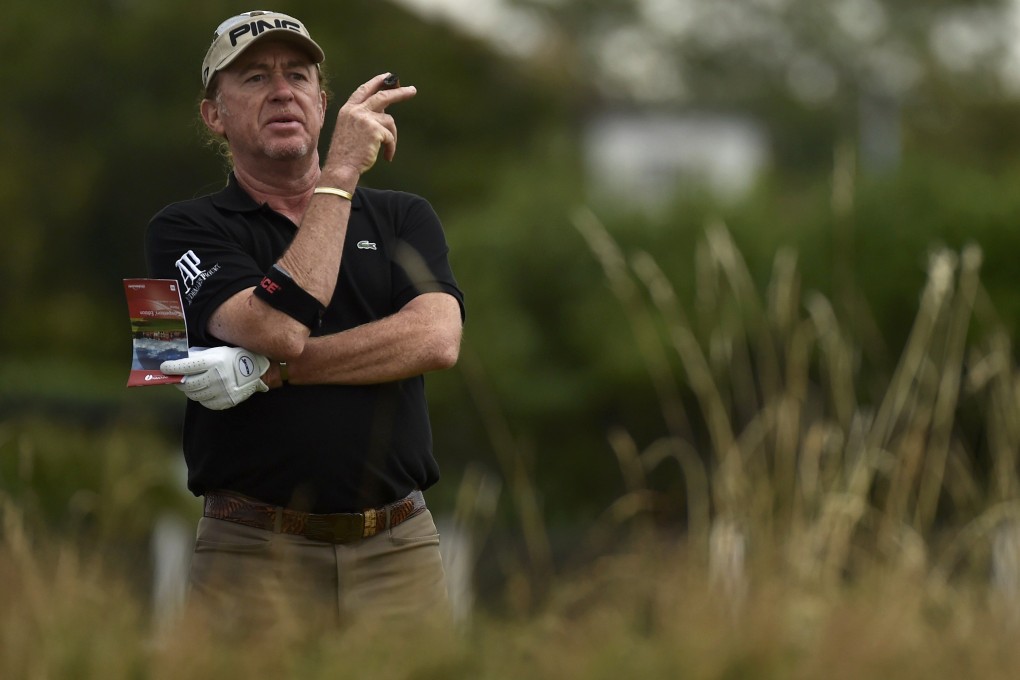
x: 335, y: 192
x: 284, y: 373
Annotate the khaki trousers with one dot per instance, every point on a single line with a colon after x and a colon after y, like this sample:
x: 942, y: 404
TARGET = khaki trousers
x: 245, y: 578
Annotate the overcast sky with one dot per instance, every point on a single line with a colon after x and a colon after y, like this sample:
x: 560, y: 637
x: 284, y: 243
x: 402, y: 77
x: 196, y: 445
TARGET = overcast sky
x: 510, y: 29
x: 958, y: 40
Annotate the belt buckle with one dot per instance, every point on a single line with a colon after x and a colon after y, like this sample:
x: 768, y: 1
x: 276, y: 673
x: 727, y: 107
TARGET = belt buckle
x: 341, y: 527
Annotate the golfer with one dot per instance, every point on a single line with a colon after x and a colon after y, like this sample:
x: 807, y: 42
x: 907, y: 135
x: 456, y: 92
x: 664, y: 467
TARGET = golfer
x: 314, y: 307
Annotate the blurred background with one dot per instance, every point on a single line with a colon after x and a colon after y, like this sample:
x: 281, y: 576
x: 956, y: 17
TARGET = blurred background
x: 858, y: 135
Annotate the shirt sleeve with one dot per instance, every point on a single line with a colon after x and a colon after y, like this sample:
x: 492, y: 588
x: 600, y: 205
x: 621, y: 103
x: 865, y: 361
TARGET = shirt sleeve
x: 207, y: 260
x: 422, y: 257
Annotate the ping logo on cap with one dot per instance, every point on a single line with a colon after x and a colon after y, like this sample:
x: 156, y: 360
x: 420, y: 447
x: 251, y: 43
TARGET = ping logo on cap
x: 255, y: 28
x: 236, y: 34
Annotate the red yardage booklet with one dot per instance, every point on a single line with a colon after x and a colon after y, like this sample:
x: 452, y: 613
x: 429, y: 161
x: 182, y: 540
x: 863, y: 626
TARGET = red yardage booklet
x: 158, y: 330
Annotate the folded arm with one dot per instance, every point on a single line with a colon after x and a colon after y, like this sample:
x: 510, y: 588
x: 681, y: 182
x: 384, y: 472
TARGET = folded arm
x: 312, y: 260
x: 424, y: 335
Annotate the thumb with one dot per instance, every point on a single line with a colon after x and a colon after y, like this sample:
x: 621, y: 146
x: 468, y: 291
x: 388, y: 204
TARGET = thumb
x: 262, y: 363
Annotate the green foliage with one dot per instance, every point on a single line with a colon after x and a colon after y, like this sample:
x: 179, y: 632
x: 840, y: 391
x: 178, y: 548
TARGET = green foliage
x: 102, y: 132
x: 106, y: 486
x: 559, y: 348
x: 870, y: 440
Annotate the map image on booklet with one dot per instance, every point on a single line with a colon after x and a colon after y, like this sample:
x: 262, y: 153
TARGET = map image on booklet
x: 158, y: 330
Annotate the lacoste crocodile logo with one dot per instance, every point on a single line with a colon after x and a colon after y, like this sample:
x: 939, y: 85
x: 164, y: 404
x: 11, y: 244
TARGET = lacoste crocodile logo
x: 366, y: 245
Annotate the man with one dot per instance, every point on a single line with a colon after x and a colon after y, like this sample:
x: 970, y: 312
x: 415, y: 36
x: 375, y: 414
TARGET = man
x: 321, y: 304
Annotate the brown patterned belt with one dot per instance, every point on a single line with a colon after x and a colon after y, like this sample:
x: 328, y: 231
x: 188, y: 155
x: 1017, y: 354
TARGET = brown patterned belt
x: 341, y: 527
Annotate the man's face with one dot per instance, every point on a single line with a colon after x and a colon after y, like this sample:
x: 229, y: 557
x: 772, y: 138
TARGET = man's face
x: 268, y: 104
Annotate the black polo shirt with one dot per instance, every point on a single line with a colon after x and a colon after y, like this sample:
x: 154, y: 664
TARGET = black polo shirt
x: 325, y: 448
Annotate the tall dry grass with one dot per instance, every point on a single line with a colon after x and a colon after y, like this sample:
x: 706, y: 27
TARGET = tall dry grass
x: 857, y: 498
x: 840, y: 522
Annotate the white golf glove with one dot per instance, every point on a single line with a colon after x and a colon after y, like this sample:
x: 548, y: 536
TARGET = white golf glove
x: 219, y: 377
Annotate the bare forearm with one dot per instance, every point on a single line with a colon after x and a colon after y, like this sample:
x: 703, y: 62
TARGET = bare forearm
x: 313, y: 257
x: 313, y: 262
x: 423, y: 336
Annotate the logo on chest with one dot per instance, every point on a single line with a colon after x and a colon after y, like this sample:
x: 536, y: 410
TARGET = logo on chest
x: 366, y: 245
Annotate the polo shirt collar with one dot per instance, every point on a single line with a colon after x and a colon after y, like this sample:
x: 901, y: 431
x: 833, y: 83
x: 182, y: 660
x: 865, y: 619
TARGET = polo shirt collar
x: 232, y: 197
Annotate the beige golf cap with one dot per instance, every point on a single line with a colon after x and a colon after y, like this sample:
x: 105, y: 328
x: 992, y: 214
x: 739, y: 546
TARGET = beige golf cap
x: 237, y: 34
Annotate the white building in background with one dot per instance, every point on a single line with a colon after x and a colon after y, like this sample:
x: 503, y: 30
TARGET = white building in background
x: 641, y: 160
